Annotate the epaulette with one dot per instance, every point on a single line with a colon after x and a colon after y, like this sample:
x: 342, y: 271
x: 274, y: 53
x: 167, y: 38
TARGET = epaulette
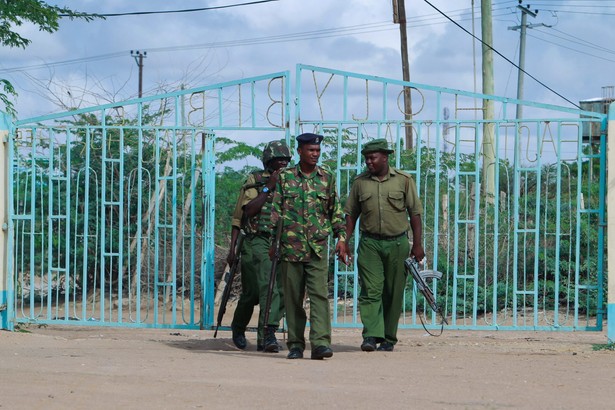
x: 403, y: 173
x: 362, y: 175
x: 325, y: 169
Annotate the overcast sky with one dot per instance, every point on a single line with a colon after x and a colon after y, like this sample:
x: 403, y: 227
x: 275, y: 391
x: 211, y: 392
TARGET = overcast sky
x: 571, y: 47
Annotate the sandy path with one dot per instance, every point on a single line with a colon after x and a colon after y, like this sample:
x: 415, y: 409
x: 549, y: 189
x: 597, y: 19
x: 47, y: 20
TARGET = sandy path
x: 101, y: 368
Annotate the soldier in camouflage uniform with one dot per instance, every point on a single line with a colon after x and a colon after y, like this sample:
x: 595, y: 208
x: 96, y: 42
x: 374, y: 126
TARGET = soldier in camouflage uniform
x: 307, y: 205
x: 254, y: 207
x: 384, y: 198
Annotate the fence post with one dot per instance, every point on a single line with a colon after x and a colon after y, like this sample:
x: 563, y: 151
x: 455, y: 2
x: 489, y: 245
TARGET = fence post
x: 5, y: 124
x: 610, y: 226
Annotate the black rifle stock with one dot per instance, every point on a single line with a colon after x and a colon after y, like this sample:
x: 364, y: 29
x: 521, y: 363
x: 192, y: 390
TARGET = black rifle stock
x: 419, y: 277
x: 228, y: 278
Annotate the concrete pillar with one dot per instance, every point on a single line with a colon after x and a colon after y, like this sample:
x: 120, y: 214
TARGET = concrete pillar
x: 5, y: 124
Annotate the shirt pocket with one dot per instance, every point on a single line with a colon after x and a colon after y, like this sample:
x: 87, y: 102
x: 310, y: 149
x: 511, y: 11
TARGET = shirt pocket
x: 365, y: 202
x: 291, y: 200
x: 397, y: 200
x: 323, y: 201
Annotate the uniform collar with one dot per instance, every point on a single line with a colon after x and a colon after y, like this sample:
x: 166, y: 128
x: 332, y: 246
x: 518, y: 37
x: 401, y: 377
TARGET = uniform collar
x: 390, y: 174
x: 299, y: 172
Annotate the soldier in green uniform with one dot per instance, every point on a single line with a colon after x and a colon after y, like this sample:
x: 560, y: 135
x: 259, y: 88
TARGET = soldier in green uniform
x: 384, y: 198
x: 254, y: 207
x: 307, y: 205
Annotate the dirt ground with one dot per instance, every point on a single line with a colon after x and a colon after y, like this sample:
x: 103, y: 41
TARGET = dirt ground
x: 110, y: 368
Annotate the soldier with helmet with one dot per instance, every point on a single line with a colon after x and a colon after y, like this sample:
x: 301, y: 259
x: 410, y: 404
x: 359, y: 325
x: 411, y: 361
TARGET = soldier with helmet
x: 253, y: 208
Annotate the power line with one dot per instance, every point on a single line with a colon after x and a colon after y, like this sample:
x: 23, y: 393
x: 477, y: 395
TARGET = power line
x: 502, y: 55
x: 572, y: 49
x: 308, y: 35
x: 417, y: 21
x: 142, y: 13
x: 576, y: 40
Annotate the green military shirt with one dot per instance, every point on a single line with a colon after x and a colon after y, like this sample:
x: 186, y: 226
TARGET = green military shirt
x: 311, y: 209
x: 384, y: 205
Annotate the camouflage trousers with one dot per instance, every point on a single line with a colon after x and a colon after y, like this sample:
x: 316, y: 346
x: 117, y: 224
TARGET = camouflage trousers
x: 296, y: 278
x: 255, y: 273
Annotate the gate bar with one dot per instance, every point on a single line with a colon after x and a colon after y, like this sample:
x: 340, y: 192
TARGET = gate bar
x: 610, y: 203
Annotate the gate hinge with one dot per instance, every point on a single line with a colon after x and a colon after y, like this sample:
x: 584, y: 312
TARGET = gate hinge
x: 3, y: 307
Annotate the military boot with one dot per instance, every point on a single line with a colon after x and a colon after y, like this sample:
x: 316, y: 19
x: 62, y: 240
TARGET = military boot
x: 271, y: 343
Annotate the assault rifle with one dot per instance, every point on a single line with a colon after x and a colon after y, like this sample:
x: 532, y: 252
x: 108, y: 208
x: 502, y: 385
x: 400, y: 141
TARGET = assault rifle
x: 412, y: 267
x: 228, y: 278
x: 274, y: 268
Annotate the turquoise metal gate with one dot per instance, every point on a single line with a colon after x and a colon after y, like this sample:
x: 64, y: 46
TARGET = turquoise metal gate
x: 514, y: 209
x: 112, y: 218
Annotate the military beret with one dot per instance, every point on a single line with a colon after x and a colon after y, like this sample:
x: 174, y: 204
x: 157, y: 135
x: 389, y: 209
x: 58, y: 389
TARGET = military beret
x: 377, y: 145
x: 308, y: 138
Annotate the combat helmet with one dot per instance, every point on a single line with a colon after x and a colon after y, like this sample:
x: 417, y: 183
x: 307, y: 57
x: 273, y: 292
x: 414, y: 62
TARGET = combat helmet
x: 275, y: 149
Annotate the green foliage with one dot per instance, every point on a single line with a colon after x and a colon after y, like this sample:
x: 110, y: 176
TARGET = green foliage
x: 42, y: 15
x: 607, y: 346
x: 235, y: 150
x: 8, y: 91
x: 484, y: 269
x: 228, y: 184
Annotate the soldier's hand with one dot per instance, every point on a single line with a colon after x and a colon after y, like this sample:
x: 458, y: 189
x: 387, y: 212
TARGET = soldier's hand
x: 418, y: 252
x: 230, y: 257
x: 273, y: 179
x: 348, y: 253
x: 342, y: 252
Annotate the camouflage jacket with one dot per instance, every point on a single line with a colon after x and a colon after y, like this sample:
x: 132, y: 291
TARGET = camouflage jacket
x: 310, y: 209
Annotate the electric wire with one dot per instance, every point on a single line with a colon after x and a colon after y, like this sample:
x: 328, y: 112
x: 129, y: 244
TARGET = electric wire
x: 503, y: 56
x: 142, y: 13
x: 506, y: 7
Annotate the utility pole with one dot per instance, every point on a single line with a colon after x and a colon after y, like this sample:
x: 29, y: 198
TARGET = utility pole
x: 488, y: 110
x: 399, y: 17
x: 524, y: 12
x: 139, y: 56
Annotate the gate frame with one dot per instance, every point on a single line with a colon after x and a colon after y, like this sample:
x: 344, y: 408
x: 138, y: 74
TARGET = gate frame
x: 8, y: 125
x: 6, y: 298
x: 610, y: 226
x: 348, y: 119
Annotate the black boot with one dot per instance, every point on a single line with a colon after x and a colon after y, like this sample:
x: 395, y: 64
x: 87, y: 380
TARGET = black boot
x: 239, y: 338
x: 271, y: 343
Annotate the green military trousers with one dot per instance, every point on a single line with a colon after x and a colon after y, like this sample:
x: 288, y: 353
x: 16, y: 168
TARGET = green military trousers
x: 383, y: 279
x: 255, y: 274
x: 296, y: 278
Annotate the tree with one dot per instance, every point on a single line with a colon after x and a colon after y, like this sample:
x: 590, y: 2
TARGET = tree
x: 46, y: 17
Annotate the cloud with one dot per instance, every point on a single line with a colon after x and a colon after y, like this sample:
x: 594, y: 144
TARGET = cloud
x: 353, y: 35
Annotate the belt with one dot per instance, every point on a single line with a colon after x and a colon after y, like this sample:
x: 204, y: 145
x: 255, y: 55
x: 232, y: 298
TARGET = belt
x: 382, y: 237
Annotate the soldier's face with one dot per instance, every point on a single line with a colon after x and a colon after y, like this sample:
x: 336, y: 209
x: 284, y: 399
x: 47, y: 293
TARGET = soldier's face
x: 377, y: 163
x: 309, y: 153
x: 278, y: 163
